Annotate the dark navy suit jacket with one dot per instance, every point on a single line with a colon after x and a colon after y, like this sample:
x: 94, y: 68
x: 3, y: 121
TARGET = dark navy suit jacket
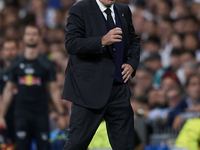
x: 91, y: 67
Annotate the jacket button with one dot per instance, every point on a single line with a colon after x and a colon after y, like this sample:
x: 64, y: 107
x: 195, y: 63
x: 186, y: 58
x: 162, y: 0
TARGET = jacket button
x: 113, y: 49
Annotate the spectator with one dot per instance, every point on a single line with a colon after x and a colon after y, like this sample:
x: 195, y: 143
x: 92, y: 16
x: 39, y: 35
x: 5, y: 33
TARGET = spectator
x: 193, y: 91
x: 164, y: 31
x: 192, y: 101
x: 10, y: 51
x: 140, y: 106
x: 143, y: 81
x: 174, y: 96
x: 189, y: 136
x: 169, y: 80
x: 176, y: 41
x: 152, y: 44
x: 179, y: 25
x: 187, y: 56
x: 179, y: 11
x: 187, y: 69
x: 44, y: 47
x: 191, y: 21
x: 149, y: 29
x: 163, y: 8
x: 57, y: 136
x: 190, y: 42
x: 195, y: 9
x: 174, y: 66
x: 61, y: 59
x: 156, y: 99
x: 176, y: 100
x: 153, y: 62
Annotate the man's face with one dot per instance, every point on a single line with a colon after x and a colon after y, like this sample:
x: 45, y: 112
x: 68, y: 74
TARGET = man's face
x: 31, y: 37
x: 9, y: 50
x: 175, y: 62
x: 107, y: 3
x: 167, y: 83
x: 193, y: 88
x: 143, y: 79
x: 156, y: 98
x: 173, y: 98
x: 154, y: 65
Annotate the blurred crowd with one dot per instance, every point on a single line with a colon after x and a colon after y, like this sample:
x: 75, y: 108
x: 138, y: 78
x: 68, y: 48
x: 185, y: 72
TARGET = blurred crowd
x: 167, y: 84
x: 166, y: 88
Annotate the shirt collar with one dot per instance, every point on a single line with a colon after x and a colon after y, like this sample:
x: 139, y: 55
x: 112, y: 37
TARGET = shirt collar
x: 103, y: 7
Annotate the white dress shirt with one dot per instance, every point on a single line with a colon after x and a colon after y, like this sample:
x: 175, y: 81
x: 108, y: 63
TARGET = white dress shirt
x: 103, y: 8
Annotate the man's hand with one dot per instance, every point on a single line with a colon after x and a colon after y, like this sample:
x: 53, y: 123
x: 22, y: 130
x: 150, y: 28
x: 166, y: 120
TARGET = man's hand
x: 54, y: 92
x: 127, y: 71
x: 62, y: 122
x: 3, y: 123
x: 112, y: 36
x: 177, y: 123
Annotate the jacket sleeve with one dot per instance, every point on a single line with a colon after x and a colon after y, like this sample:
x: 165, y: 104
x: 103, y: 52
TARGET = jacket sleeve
x: 75, y: 41
x: 133, y: 56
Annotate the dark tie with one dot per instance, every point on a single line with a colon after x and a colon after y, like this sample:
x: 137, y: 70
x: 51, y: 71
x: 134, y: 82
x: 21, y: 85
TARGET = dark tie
x: 109, y: 18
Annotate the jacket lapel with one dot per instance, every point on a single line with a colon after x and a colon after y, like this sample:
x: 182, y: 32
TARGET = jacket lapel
x: 98, y: 17
x: 100, y: 21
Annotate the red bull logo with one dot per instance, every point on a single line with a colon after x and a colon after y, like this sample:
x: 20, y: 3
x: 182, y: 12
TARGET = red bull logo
x: 30, y: 80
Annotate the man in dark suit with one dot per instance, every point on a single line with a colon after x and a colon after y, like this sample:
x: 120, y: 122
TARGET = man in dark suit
x: 104, y: 52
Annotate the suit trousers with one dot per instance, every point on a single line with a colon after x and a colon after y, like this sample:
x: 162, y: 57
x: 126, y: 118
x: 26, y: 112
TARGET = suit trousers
x: 118, y: 115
